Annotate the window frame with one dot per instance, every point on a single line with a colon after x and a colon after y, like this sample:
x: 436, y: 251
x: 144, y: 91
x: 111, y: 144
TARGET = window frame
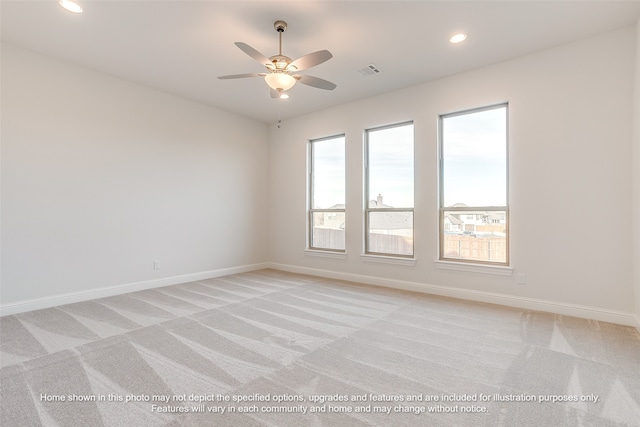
x: 368, y: 210
x: 310, y: 200
x: 442, y: 210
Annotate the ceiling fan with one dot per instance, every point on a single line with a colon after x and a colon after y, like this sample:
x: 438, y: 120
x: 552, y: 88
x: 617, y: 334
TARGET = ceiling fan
x: 281, y: 70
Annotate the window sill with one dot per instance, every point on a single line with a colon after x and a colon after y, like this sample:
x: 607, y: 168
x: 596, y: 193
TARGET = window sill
x: 381, y: 259
x: 498, y: 270
x: 325, y: 254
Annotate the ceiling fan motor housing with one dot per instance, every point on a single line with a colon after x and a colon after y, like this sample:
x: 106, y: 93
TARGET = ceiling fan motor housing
x: 281, y: 62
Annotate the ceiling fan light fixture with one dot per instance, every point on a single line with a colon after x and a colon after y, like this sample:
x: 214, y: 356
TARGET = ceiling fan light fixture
x: 280, y: 81
x: 71, y: 6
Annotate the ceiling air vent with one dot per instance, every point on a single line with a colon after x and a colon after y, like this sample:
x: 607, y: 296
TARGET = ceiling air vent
x: 369, y: 70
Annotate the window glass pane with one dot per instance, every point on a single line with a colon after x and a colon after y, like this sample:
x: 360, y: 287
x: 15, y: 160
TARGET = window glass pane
x: 328, y: 169
x: 328, y: 230
x: 391, y: 232
x: 390, y: 167
x: 476, y: 236
x: 327, y: 192
x: 474, y: 153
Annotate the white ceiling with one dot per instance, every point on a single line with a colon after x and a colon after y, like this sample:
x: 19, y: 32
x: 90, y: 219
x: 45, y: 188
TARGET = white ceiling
x: 181, y: 46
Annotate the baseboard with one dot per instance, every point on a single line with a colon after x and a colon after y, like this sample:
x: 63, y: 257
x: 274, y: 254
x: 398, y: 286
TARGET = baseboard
x: 594, y: 313
x: 69, y: 298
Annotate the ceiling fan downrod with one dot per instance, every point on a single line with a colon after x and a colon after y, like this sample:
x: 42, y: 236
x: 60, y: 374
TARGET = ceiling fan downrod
x: 280, y: 27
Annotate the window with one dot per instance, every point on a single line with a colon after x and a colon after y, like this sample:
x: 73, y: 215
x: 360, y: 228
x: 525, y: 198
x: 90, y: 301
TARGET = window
x: 474, y: 214
x: 389, y: 190
x: 327, y: 194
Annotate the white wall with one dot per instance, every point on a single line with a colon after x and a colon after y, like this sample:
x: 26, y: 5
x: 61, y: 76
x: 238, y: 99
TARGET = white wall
x: 134, y: 175
x: 570, y: 176
x: 101, y: 177
x: 636, y: 178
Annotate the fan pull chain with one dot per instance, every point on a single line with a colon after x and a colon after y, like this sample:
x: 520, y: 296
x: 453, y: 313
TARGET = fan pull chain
x: 279, y: 114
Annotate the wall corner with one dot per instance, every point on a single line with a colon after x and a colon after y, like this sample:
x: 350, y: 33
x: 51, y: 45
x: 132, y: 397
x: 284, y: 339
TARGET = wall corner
x: 635, y: 185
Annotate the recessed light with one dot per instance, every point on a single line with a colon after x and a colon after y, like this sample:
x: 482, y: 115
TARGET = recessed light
x: 71, y: 6
x: 460, y: 37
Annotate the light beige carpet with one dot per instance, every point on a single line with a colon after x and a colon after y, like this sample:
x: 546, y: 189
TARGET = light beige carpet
x: 269, y: 348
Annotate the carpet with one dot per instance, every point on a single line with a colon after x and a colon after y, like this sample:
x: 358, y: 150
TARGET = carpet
x: 270, y: 348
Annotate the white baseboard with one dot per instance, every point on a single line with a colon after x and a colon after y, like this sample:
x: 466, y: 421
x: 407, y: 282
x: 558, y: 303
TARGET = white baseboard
x: 47, y: 302
x: 594, y: 313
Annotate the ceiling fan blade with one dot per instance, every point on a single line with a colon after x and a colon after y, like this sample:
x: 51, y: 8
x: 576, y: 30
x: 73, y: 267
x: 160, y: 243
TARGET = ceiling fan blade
x: 242, y: 76
x: 315, y: 82
x: 310, y: 60
x: 254, y: 54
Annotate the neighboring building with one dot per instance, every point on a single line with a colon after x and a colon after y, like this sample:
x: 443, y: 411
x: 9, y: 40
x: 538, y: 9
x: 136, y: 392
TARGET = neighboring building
x: 389, y: 222
x: 476, y: 222
x: 453, y: 224
x: 332, y: 220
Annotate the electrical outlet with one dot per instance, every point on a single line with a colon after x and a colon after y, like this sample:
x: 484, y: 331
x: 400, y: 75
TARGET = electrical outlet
x: 522, y: 279
x: 156, y: 265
